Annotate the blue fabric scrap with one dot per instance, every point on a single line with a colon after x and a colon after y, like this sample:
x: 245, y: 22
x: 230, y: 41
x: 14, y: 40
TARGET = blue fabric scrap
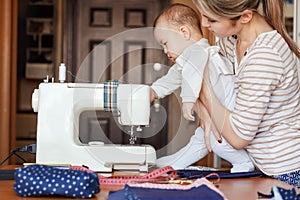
x: 194, y: 174
x: 136, y: 193
x: 292, y: 178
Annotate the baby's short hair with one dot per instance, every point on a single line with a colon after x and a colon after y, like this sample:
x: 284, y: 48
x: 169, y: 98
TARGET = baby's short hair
x: 180, y: 14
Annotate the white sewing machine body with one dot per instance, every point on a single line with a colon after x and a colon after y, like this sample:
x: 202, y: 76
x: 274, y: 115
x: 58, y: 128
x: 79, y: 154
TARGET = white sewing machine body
x: 59, y: 106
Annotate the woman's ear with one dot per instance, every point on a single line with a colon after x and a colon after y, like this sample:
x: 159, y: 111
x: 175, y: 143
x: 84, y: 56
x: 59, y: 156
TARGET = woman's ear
x: 246, y: 16
x: 185, y: 31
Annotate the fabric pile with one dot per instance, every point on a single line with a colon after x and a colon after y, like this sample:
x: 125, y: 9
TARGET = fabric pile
x: 199, y: 189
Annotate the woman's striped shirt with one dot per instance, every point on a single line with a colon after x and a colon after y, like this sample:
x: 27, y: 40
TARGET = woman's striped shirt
x: 267, y: 108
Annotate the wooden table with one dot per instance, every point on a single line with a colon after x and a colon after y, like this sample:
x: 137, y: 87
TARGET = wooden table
x: 233, y: 189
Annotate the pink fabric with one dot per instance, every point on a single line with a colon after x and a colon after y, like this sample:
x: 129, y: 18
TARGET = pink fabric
x: 164, y: 173
x: 198, y: 182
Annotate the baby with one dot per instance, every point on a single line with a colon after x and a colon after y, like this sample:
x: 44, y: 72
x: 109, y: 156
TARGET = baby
x: 177, y: 30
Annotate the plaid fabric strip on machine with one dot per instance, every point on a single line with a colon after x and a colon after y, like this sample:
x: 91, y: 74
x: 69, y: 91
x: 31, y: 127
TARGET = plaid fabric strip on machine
x: 110, y: 95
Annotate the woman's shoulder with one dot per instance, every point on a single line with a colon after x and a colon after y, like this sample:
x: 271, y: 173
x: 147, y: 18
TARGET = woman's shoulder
x: 271, y: 40
x: 270, y: 50
x: 271, y: 45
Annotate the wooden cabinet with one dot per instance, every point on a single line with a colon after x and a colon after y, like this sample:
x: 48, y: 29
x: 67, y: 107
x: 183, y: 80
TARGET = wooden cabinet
x: 37, y: 42
x: 39, y: 26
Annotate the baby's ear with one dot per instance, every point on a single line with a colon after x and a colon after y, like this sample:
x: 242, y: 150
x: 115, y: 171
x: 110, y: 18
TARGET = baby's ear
x: 185, y: 31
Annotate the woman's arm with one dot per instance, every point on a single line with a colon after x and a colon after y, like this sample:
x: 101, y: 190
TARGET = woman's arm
x: 220, y: 116
x: 206, y: 124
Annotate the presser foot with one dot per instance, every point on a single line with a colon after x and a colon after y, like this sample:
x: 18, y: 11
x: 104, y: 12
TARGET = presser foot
x: 132, y: 138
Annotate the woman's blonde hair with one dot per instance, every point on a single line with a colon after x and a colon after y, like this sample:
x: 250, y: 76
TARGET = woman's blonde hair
x: 272, y: 11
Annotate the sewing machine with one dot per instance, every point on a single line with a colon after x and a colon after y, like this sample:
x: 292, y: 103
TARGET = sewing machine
x: 59, y: 106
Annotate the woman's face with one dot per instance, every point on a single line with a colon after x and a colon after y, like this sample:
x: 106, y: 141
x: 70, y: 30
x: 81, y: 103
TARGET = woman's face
x: 220, y: 26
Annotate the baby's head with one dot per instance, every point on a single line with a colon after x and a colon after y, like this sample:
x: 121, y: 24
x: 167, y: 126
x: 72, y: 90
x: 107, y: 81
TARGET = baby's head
x: 176, y: 28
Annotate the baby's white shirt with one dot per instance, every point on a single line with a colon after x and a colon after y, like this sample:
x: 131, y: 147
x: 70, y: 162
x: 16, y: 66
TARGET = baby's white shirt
x: 188, y: 71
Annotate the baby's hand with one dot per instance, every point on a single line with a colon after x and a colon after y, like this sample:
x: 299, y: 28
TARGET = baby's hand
x: 153, y: 95
x: 188, y: 111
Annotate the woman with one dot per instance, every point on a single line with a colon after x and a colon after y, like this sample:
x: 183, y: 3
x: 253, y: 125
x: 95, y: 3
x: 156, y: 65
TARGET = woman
x: 266, y: 117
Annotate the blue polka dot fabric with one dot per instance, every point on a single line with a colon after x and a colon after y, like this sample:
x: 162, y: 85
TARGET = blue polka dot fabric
x: 41, y: 180
x: 280, y: 193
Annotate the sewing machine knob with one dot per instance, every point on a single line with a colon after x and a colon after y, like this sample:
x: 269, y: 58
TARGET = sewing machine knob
x: 139, y: 129
x: 156, y: 105
x: 157, y: 67
x: 35, y: 100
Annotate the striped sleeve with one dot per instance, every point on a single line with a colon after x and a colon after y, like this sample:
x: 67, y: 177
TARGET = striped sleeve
x: 258, y: 77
